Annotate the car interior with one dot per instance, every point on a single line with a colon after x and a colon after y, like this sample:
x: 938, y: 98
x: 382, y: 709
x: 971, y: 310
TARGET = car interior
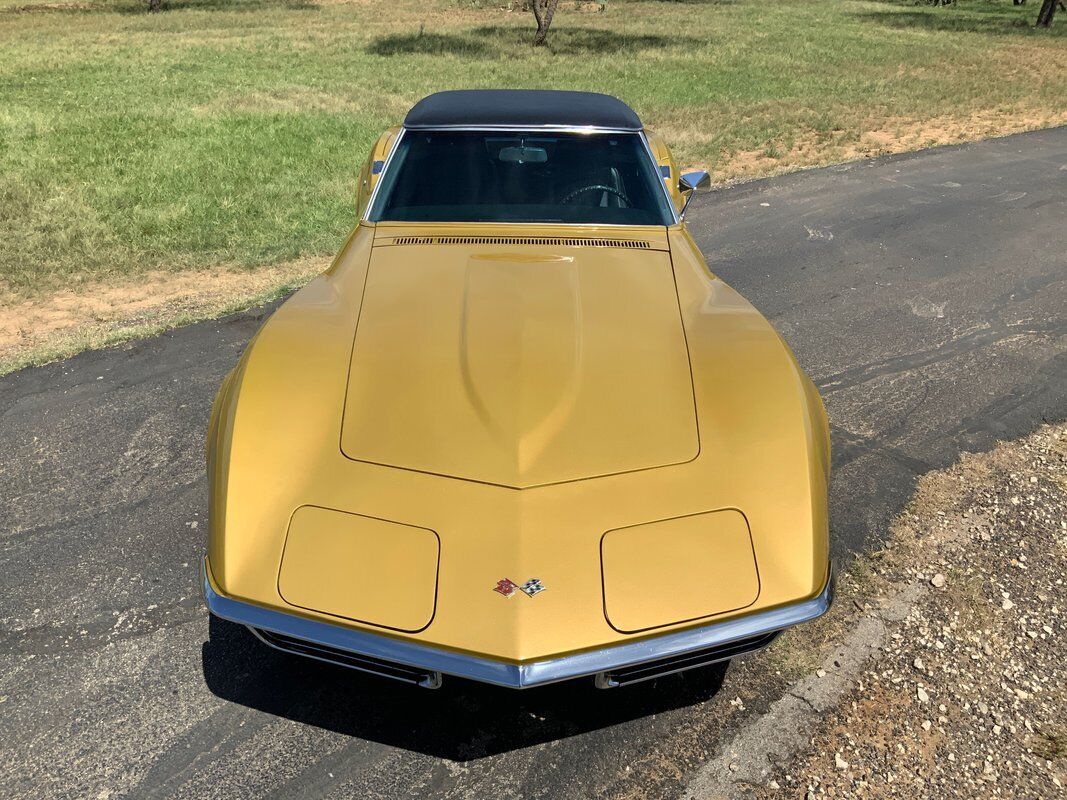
x: 484, y: 176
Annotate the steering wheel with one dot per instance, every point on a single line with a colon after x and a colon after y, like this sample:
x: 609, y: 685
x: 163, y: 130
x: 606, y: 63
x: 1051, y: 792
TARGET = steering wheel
x: 597, y: 187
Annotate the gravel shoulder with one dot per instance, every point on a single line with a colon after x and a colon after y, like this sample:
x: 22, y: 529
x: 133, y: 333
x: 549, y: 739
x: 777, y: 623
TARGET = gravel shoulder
x: 965, y: 696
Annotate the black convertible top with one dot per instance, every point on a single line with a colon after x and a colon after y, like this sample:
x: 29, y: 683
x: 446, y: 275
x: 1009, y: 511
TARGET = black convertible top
x: 524, y: 108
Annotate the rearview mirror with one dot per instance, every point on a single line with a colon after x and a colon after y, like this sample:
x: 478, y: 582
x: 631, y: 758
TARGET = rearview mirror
x: 689, y: 183
x: 523, y: 155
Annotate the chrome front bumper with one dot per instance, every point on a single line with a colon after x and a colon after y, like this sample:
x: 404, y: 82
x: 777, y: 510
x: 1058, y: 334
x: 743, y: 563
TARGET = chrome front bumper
x: 424, y: 665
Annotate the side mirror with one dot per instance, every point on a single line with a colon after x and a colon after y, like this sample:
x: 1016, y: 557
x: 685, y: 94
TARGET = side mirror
x: 690, y: 183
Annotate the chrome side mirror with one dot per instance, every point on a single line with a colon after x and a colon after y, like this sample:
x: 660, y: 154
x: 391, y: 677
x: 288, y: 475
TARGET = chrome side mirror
x: 690, y: 183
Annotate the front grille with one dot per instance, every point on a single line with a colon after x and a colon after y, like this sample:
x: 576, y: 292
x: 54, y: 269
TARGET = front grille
x: 671, y: 664
x: 345, y: 658
x: 632, y: 244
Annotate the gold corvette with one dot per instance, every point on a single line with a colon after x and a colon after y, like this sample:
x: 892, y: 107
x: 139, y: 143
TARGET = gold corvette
x: 518, y: 432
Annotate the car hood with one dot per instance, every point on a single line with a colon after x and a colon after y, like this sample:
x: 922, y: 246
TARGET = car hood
x: 297, y: 526
x: 519, y: 364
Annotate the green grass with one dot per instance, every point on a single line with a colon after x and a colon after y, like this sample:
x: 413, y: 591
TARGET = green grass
x: 230, y: 133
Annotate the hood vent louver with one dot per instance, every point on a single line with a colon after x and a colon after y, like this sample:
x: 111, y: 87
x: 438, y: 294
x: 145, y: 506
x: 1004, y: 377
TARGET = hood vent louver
x: 547, y: 241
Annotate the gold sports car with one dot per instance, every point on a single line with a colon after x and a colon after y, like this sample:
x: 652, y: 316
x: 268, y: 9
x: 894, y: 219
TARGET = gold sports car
x: 518, y: 432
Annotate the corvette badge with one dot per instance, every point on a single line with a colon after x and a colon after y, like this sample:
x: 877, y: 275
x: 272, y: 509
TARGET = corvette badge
x: 532, y: 587
x: 508, y: 587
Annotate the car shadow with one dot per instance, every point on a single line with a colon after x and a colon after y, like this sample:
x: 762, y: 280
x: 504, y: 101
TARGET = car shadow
x: 461, y: 721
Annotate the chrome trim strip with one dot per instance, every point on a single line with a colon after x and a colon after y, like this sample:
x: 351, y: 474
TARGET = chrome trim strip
x: 662, y: 183
x: 539, y: 128
x: 381, y: 177
x: 517, y: 676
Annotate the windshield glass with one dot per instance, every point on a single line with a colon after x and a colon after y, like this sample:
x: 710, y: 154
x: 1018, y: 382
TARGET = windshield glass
x: 505, y: 176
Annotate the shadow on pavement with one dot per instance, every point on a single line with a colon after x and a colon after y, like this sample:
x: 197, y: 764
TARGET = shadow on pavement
x: 461, y: 721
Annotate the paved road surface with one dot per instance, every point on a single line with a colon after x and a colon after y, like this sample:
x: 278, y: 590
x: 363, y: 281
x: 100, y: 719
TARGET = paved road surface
x: 927, y: 296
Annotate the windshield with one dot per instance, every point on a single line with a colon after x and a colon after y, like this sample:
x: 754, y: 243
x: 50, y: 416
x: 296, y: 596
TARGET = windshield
x: 505, y: 176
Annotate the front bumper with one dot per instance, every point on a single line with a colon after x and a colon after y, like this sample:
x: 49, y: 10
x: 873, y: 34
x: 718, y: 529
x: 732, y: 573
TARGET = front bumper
x: 424, y: 665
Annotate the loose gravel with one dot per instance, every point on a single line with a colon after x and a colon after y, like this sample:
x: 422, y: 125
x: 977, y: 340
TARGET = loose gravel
x: 967, y: 696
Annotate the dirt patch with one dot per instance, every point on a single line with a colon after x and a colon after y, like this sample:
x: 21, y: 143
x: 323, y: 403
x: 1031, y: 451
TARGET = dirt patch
x: 33, y: 331
x: 881, y: 137
x: 32, y: 8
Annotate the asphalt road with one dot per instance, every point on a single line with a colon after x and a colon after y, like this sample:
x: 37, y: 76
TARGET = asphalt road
x: 926, y: 295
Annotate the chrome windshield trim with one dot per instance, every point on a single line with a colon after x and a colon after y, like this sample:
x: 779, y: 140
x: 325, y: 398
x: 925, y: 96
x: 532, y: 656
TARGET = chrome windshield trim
x: 538, y: 128
x: 516, y: 676
x: 381, y: 177
x: 639, y: 132
x: 675, y: 216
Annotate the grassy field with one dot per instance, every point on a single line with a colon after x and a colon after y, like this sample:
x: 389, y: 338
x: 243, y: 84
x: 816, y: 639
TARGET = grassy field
x: 223, y: 136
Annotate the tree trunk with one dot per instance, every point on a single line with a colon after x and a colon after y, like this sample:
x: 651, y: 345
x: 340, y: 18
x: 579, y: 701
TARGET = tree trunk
x: 543, y: 11
x: 1044, y: 16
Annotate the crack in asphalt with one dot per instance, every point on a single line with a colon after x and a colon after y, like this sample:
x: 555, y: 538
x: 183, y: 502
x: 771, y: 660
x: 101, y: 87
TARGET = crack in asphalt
x: 81, y: 635
x: 197, y: 747
x: 850, y: 446
x: 986, y: 337
x: 328, y: 772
